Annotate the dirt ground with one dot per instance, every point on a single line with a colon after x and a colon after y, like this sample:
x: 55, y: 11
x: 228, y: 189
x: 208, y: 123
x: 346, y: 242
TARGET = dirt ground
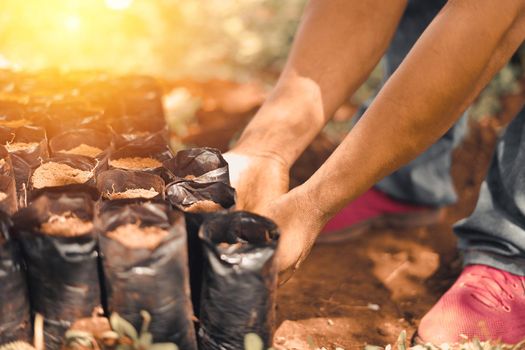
x: 368, y: 290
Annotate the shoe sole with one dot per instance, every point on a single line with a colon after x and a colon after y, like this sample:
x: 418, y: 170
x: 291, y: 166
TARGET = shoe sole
x: 387, y: 221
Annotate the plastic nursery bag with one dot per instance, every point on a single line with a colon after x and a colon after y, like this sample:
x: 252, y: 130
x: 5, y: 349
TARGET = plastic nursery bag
x: 85, y: 142
x: 126, y: 184
x: 142, y: 154
x: 197, y: 200
x: 8, y: 198
x: 64, y: 170
x: 59, y: 246
x: 27, y: 147
x: 143, y: 247
x: 199, y: 165
x: 14, y: 303
x: 240, y: 279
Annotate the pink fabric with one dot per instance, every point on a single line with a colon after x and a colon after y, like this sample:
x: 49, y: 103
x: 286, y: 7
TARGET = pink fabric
x: 371, y: 204
x: 484, y: 303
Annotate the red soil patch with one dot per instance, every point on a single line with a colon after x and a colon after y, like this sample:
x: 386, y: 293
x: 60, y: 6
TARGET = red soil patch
x: 368, y: 290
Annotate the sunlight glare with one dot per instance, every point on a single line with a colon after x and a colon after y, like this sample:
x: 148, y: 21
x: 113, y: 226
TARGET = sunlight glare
x: 118, y: 4
x: 72, y: 23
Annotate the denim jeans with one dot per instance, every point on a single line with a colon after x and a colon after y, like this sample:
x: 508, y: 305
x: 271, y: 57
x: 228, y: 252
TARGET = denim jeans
x: 426, y: 180
x: 494, y: 234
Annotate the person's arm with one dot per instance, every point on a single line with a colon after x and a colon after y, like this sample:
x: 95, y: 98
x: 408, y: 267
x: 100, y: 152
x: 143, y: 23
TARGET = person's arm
x: 337, y: 45
x: 465, y: 45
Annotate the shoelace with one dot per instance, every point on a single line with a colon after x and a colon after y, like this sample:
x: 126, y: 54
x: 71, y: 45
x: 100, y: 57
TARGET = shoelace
x: 492, y: 287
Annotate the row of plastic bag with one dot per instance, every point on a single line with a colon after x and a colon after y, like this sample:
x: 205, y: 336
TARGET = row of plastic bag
x: 230, y: 261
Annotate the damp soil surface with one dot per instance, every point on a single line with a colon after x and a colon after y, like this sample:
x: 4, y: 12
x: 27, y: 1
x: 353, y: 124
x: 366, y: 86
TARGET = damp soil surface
x: 135, y: 163
x: 53, y: 174
x: 369, y: 289
x: 204, y: 206
x: 132, y: 193
x: 85, y: 150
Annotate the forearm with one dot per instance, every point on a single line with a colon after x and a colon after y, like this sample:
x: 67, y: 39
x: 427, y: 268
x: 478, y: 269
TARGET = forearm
x: 337, y: 45
x: 457, y: 55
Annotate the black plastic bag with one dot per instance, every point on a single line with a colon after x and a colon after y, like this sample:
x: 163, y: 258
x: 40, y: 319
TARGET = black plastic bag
x: 196, y: 197
x: 123, y: 136
x: 240, y: 280
x: 143, y: 154
x: 125, y: 184
x: 27, y: 147
x: 60, y: 250
x: 196, y: 200
x: 6, y: 164
x: 142, y: 274
x: 13, y: 114
x: 8, y: 198
x: 14, y: 304
x: 87, y: 142
x: 65, y: 170
x: 200, y: 165
x: 62, y: 116
x: 140, y: 100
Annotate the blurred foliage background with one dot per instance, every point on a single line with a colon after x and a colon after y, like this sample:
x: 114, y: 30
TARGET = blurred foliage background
x: 227, y: 39
x: 236, y: 40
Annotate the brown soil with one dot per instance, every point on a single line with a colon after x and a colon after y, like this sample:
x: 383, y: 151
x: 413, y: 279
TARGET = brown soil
x: 205, y: 206
x: 132, y: 193
x: 53, y: 174
x: 135, y: 163
x: 66, y: 225
x: 20, y: 146
x: 368, y: 290
x: 85, y: 150
x: 135, y: 237
x: 15, y: 123
x: 3, y: 196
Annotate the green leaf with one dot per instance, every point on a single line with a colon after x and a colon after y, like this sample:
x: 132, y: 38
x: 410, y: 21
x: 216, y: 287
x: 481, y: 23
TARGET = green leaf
x: 145, y: 340
x: 311, y: 343
x: 124, y: 347
x: 84, y: 339
x: 373, y: 347
x: 402, y: 340
x: 123, y: 327
x: 146, y: 320
x: 253, y: 342
x: 163, y: 346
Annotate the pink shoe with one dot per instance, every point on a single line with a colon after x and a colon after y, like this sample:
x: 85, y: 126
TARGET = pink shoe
x: 375, y: 209
x: 484, y: 303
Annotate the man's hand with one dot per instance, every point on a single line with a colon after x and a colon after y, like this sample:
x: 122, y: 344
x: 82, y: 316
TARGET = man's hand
x: 258, y: 178
x: 261, y: 182
x: 299, y: 221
